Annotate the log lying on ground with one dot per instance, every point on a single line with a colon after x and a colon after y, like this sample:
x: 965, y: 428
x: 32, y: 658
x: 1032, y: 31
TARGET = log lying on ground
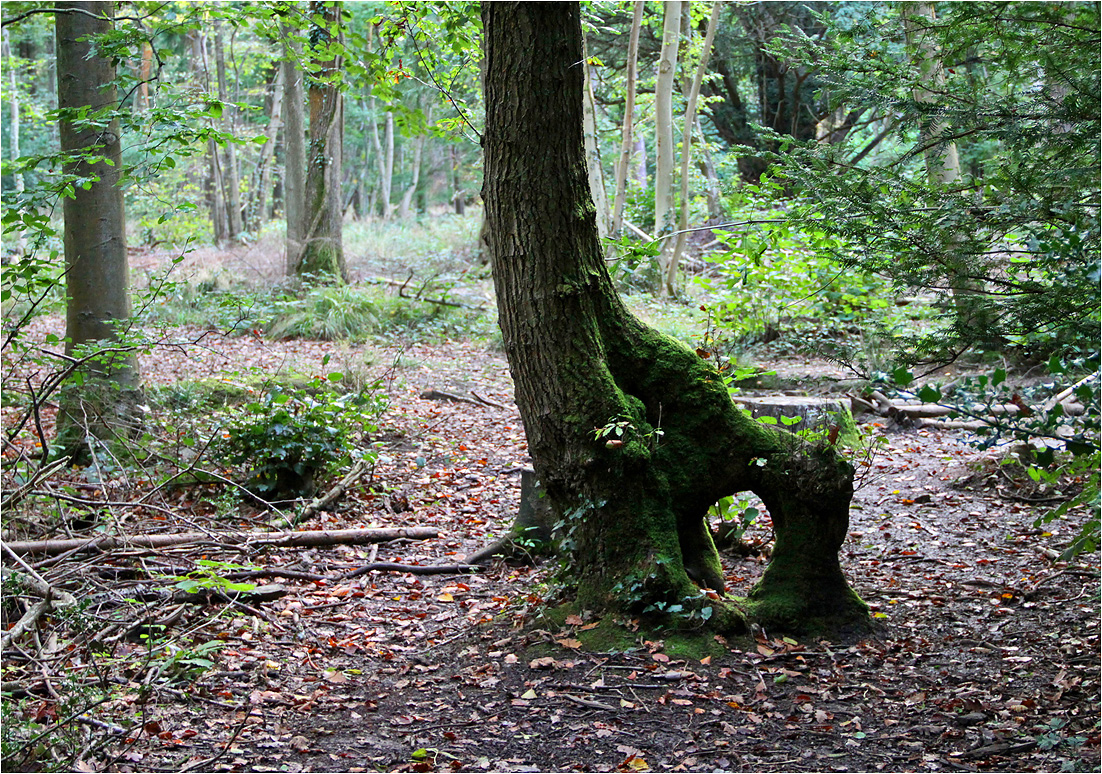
x: 313, y: 538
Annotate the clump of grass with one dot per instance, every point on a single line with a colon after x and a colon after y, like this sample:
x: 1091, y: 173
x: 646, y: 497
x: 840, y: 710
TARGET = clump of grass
x: 329, y: 313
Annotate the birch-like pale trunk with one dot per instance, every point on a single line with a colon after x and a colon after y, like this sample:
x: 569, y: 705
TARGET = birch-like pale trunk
x: 663, y: 131
x: 627, y: 144
x: 16, y: 238
x: 687, y: 152
x: 267, y: 153
x: 230, y: 177
x: 294, y: 151
x: 594, y: 168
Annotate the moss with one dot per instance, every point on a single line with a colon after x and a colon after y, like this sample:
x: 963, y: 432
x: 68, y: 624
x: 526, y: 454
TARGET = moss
x: 693, y: 645
x: 608, y: 636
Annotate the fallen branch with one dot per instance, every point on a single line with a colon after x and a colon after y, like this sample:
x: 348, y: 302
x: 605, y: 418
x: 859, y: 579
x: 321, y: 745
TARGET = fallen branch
x: 327, y: 499
x: 441, y: 395
x: 42, y: 473
x: 415, y: 569
x: 487, y: 401
x: 300, y: 539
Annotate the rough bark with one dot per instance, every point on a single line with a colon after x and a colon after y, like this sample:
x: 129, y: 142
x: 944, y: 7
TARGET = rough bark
x: 96, y: 271
x: 323, y: 248
x: 634, y: 506
x: 294, y: 151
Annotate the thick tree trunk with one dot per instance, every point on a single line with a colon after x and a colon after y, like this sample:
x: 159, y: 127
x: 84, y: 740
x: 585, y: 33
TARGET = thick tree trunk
x: 323, y: 250
x: 294, y: 151
x: 96, y: 273
x: 634, y: 504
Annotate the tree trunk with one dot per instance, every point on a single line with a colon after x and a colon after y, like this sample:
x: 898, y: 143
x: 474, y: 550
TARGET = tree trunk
x: 626, y: 143
x: 323, y: 251
x: 687, y: 152
x: 263, y: 176
x: 663, y: 133
x: 294, y: 151
x: 231, y: 179
x: 457, y: 190
x: 634, y: 503
x: 942, y: 164
x: 593, y: 154
x: 15, y: 240
x: 418, y: 149
x: 96, y: 271
x: 387, y: 162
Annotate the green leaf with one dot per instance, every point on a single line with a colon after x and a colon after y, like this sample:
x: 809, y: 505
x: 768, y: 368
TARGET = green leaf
x: 929, y: 394
x: 902, y: 377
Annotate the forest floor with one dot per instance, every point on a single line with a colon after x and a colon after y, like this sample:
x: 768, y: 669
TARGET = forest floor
x: 985, y: 655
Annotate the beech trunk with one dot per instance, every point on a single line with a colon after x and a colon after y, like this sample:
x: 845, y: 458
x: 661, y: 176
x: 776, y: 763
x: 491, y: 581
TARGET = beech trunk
x: 97, y: 277
x: 633, y: 504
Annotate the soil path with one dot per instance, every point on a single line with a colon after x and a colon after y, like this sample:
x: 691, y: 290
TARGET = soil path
x: 986, y: 655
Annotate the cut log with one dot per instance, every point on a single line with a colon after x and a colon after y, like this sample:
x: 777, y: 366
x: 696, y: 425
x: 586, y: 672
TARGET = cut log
x: 314, y: 538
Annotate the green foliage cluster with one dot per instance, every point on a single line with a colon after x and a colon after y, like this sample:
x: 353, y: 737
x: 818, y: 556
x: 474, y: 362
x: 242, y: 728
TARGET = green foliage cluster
x: 1011, y: 245
x: 286, y: 439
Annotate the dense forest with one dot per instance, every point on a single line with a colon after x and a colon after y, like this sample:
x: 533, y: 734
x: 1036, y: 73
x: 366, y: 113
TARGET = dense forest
x: 660, y: 348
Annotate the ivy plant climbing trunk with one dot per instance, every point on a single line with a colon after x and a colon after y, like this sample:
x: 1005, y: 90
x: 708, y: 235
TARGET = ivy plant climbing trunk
x: 632, y: 434
x: 101, y: 399
x: 322, y: 254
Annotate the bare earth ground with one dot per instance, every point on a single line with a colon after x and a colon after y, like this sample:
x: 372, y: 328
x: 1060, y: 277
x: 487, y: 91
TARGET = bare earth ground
x: 985, y: 657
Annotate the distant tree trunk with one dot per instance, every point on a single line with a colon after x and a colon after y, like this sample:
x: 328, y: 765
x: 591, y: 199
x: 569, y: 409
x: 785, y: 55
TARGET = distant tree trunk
x: 96, y: 272
x: 213, y: 183
x: 263, y: 177
x: 663, y: 131
x: 639, y: 165
x: 627, y: 143
x: 593, y: 155
x: 457, y: 190
x: 714, y: 191
x: 323, y: 254
x: 294, y: 151
x: 634, y: 504
x: 388, y: 164
x: 687, y: 152
x: 230, y: 178
x: 943, y: 166
x: 418, y: 149
x: 16, y: 238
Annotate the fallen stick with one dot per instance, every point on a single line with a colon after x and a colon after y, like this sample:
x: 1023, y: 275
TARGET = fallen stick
x: 487, y: 401
x: 312, y: 538
x: 415, y: 569
x: 441, y: 395
x: 342, y: 486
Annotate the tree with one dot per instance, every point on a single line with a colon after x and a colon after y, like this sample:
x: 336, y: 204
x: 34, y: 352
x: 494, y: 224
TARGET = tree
x: 633, y: 435
x: 323, y: 249
x: 96, y: 271
x: 294, y: 148
x: 627, y: 143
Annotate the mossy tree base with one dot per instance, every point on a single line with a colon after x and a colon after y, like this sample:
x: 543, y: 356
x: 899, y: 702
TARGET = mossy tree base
x: 631, y: 433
